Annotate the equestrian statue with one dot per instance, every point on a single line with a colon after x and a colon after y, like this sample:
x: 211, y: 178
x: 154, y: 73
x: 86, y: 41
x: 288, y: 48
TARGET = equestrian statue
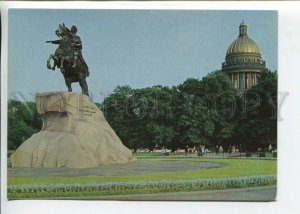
x: 68, y: 57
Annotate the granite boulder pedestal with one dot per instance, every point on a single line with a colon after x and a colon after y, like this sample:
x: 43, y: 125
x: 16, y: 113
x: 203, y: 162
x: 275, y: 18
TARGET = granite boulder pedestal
x: 75, y: 134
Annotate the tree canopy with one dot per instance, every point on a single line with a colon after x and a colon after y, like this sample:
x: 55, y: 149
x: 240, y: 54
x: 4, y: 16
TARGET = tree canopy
x: 207, y: 111
x: 23, y: 121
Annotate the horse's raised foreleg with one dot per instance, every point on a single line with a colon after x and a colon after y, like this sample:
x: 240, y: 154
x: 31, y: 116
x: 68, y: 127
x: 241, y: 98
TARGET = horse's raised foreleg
x: 51, y: 56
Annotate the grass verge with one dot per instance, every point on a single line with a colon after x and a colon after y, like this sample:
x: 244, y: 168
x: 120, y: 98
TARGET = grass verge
x: 234, y: 169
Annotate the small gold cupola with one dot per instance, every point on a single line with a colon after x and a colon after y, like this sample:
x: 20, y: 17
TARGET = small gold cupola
x: 243, y: 29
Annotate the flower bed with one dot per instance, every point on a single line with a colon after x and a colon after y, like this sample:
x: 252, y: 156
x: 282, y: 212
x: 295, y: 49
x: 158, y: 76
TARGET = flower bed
x: 210, y: 157
x: 135, y: 187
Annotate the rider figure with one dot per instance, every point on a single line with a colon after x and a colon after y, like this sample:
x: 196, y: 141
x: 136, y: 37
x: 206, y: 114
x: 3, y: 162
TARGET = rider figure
x: 76, y: 45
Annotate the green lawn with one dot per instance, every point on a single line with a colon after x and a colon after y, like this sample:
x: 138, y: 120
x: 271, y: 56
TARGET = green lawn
x: 232, y: 168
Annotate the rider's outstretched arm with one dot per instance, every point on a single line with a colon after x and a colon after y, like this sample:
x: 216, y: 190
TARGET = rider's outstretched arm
x: 54, y: 42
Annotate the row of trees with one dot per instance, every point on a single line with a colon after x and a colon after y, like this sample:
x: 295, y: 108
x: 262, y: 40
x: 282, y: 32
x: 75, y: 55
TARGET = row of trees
x: 197, y: 112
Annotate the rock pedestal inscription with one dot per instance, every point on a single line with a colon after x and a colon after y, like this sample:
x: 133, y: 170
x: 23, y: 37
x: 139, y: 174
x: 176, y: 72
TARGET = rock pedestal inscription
x: 75, y: 134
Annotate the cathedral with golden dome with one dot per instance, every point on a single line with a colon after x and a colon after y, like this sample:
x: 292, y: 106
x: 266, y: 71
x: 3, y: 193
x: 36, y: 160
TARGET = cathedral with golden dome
x: 243, y: 62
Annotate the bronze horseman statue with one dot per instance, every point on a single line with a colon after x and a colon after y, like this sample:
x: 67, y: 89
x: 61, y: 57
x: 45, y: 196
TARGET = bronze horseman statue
x: 69, y: 59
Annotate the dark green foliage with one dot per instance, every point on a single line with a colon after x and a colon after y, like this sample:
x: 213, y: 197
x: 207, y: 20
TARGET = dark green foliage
x: 197, y: 112
x: 258, y: 114
x: 23, y: 121
x: 262, y: 154
x: 248, y: 154
x: 142, y: 118
x: 208, y: 109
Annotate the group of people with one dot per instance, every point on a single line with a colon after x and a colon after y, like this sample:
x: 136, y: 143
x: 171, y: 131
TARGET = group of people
x: 219, y: 149
x: 200, y: 150
x: 234, y: 149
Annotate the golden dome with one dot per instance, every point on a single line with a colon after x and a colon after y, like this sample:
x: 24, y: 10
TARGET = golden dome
x: 243, y: 44
x: 243, y: 62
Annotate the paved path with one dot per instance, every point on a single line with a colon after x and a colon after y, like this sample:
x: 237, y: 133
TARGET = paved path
x: 263, y: 193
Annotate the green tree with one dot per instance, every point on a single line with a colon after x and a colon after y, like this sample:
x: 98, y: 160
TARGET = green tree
x: 142, y: 118
x: 115, y: 108
x: 153, y: 117
x: 208, y: 110
x: 23, y: 122
x: 257, y: 126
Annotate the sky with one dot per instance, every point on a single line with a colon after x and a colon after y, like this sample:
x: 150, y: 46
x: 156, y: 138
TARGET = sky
x: 139, y: 48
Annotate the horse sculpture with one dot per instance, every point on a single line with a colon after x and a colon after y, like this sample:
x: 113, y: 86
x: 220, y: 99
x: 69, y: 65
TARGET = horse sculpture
x: 69, y: 59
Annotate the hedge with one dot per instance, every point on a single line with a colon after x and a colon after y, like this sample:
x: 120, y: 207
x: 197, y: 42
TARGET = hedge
x: 176, y: 185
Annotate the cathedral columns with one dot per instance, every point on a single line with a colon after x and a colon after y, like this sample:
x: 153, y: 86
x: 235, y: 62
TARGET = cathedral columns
x: 238, y: 80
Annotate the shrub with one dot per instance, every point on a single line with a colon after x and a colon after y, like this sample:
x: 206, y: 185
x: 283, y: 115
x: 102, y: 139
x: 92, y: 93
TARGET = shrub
x: 148, y: 186
x: 10, y: 152
x: 262, y: 154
